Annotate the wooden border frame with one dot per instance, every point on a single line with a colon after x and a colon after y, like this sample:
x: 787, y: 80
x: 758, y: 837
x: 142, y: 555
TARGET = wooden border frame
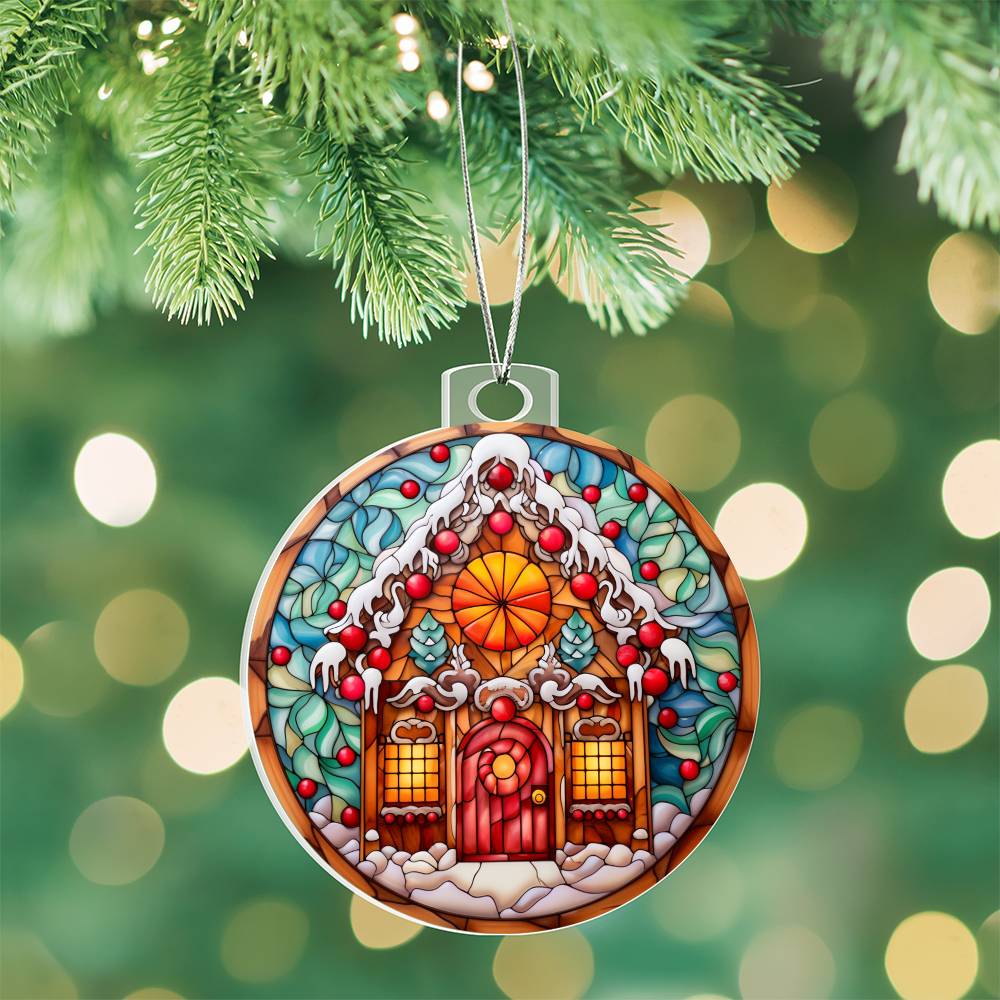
x: 254, y: 680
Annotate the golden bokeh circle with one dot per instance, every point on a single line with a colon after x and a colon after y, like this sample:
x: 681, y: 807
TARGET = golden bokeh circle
x: 706, y: 899
x: 818, y: 747
x: 931, y: 956
x: 694, y: 441
x: 948, y: 613
x: 827, y: 349
x: 500, y: 268
x: 116, y: 840
x: 203, y: 725
x: 378, y: 928
x: 971, y: 487
x: 557, y: 966
x: 115, y: 479
x: 774, y: 284
x: 988, y: 939
x: 964, y: 283
x: 11, y: 676
x: 763, y: 527
x: 30, y: 970
x: 154, y: 993
x: 141, y: 637
x: 61, y: 674
x: 853, y: 441
x: 816, y: 210
x: 946, y: 708
x: 264, y: 940
x: 787, y: 963
x: 728, y: 210
x: 679, y: 219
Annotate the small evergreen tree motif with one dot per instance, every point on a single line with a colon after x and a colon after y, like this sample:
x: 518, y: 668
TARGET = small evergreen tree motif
x: 576, y: 642
x: 428, y: 644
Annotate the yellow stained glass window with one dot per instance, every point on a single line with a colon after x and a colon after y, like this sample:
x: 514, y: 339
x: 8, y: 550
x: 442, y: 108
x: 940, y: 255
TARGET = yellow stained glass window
x: 597, y: 770
x: 411, y: 773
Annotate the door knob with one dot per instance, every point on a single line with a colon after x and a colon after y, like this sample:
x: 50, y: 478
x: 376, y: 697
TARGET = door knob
x: 538, y: 796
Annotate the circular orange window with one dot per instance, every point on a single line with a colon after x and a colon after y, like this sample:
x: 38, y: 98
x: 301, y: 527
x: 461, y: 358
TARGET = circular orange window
x: 501, y: 601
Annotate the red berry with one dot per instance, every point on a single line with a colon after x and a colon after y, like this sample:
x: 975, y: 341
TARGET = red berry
x: 585, y: 701
x: 446, y: 542
x: 611, y: 529
x: 584, y: 586
x: 649, y: 571
x: 410, y: 489
x: 432, y: 817
x: 650, y: 634
x: 500, y: 521
x: 655, y: 681
x: 380, y: 658
x: 307, y: 788
x: 591, y: 494
x: 727, y: 681
x: 623, y: 814
x: 421, y: 818
x: 552, y: 539
x: 418, y: 586
x: 281, y: 655
x: 410, y: 818
x: 503, y: 709
x: 390, y: 818
x: 689, y: 770
x: 337, y: 610
x: 352, y: 688
x: 425, y: 703
x: 549, y: 474
x: 350, y: 816
x: 352, y: 638
x: 637, y: 492
x: 577, y: 814
x: 499, y: 477
x: 598, y: 814
x: 440, y: 453
x: 626, y: 656
x: 667, y: 718
x: 346, y: 756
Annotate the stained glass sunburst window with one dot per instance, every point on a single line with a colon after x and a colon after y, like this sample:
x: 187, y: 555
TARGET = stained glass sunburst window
x: 501, y: 601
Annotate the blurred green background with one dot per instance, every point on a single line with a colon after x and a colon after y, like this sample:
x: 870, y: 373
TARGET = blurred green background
x: 833, y: 374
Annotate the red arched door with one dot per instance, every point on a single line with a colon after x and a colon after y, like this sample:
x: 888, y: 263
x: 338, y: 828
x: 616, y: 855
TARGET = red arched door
x: 505, y: 793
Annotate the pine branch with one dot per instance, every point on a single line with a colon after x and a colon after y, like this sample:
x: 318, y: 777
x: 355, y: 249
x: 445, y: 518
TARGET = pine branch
x: 337, y: 60
x: 398, y: 267
x: 583, y: 227
x: 40, y: 46
x: 203, y: 200
x: 929, y: 61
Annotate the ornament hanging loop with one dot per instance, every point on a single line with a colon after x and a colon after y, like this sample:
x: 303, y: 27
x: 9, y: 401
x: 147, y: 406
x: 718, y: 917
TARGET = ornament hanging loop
x: 461, y: 386
x: 501, y: 368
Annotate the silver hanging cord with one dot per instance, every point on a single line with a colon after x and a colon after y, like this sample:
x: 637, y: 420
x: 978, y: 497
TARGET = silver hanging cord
x: 501, y: 369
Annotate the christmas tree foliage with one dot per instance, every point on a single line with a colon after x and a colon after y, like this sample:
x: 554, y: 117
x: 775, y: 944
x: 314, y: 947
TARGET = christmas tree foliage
x: 577, y: 648
x: 234, y: 127
x: 428, y: 644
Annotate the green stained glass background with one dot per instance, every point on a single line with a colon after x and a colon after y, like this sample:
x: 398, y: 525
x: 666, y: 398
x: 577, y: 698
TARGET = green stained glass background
x: 246, y: 423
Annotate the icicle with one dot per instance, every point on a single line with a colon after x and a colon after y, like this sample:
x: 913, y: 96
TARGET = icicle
x: 372, y: 677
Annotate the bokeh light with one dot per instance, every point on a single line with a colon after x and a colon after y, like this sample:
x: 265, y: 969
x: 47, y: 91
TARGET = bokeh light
x: 948, y: 613
x: 141, y: 637
x: 61, y: 674
x: 115, y: 479
x: 694, y: 441
x: 30, y: 970
x: 154, y: 993
x: 988, y: 940
x: 728, y: 210
x: 116, y: 840
x: 203, y: 725
x: 680, y: 221
x: 816, y: 210
x: 946, y: 708
x: 786, y: 963
x: 971, y: 489
x: 706, y: 305
x: 931, y: 956
x: 377, y: 928
x: 964, y: 283
x: 556, y: 966
x: 499, y: 266
x: 853, y: 441
x: 705, y: 898
x: 11, y: 676
x: 827, y: 349
x: 818, y: 747
x: 763, y: 528
x: 774, y: 284
x: 264, y: 940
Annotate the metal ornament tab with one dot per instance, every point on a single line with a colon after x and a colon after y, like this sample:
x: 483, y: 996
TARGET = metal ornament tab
x: 461, y: 386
